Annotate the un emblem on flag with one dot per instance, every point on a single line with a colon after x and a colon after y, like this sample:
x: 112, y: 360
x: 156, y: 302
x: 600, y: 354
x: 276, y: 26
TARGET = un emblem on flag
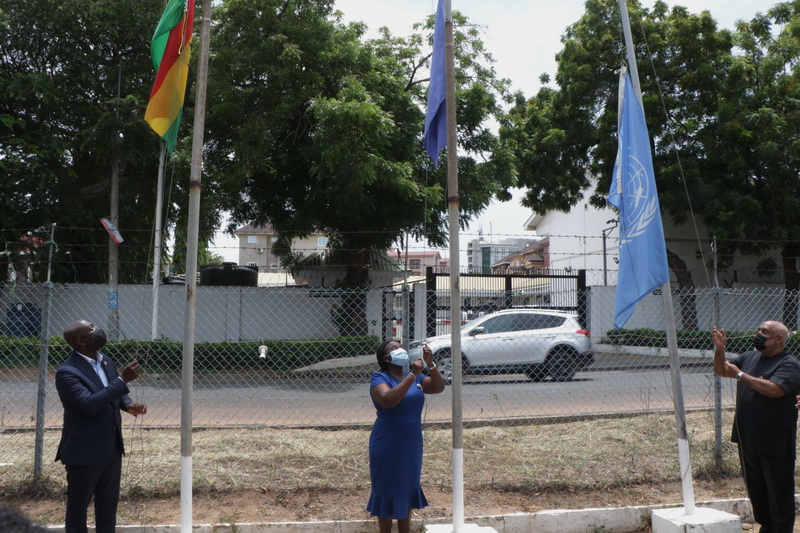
x: 642, y: 200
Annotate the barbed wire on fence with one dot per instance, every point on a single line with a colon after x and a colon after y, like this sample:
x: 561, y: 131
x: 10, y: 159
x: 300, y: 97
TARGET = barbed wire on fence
x: 27, y: 251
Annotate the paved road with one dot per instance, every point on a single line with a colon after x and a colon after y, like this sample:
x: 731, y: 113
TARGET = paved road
x: 309, y: 401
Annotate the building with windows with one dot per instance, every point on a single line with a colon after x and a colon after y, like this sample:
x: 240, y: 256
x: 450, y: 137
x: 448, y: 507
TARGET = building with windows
x: 532, y: 257
x: 418, y: 261
x: 481, y: 254
x: 256, y: 247
x: 586, y: 238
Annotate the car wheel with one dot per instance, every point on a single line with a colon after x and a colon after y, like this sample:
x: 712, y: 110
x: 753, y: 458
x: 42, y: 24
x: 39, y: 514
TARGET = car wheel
x: 444, y: 360
x: 536, y: 373
x: 562, y: 363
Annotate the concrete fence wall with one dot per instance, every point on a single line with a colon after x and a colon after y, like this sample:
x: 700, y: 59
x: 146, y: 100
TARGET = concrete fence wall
x: 263, y: 313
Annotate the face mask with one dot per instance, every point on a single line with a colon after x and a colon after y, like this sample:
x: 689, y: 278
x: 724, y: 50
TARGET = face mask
x: 399, y: 357
x: 759, y: 341
x: 98, y: 339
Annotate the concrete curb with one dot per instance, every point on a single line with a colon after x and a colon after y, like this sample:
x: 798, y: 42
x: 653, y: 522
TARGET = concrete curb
x: 360, y: 366
x: 647, y: 351
x: 606, y: 356
x: 618, y: 519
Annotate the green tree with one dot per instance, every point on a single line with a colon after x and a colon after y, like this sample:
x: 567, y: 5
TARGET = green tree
x: 757, y: 144
x: 72, y: 81
x: 563, y: 137
x: 75, y: 77
x: 311, y: 128
x: 731, y: 119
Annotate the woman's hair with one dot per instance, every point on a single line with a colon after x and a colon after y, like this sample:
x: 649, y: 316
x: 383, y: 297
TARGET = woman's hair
x: 382, y: 352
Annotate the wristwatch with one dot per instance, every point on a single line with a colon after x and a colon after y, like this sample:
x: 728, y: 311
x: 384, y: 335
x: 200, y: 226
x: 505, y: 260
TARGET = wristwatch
x: 739, y: 376
x: 433, y: 365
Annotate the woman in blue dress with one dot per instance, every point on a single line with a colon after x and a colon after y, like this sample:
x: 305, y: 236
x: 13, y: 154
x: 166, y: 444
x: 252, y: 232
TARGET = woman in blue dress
x: 395, y: 444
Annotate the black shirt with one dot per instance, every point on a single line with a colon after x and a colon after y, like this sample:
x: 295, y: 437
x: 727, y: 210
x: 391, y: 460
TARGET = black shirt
x: 767, y: 425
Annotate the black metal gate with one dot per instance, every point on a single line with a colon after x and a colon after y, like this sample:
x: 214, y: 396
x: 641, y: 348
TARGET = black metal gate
x: 486, y: 293
x: 394, y: 326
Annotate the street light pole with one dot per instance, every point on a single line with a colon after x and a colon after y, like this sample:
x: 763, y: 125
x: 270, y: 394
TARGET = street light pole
x: 605, y: 257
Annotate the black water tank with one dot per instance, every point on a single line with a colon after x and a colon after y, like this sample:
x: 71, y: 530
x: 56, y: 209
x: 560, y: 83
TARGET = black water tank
x: 23, y: 320
x: 229, y: 274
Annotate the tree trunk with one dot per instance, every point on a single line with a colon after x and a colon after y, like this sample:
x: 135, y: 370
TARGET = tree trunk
x: 352, y: 315
x: 687, y: 299
x: 357, y: 273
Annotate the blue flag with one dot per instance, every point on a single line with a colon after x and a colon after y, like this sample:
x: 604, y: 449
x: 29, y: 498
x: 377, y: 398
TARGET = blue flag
x: 436, y: 116
x: 642, y: 252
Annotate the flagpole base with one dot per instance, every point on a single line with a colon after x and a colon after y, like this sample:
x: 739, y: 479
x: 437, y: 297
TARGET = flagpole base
x: 703, y: 520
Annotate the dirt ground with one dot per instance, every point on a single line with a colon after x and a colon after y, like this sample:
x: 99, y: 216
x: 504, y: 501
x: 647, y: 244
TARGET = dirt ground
x: 274, y: 505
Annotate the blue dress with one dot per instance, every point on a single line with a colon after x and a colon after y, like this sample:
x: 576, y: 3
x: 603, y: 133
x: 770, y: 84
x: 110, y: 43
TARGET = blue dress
x: 395, y: 453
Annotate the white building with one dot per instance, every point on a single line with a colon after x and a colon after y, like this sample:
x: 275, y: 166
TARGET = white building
x: 586, y: 238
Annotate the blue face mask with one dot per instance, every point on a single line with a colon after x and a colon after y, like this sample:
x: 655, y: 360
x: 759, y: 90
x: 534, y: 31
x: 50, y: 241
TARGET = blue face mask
x: 399, y: 357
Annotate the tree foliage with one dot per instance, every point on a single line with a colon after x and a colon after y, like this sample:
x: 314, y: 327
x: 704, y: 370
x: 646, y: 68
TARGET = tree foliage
x: 75, y: 77
x: 62, y: 65
x: 310, y: 128
x: 721, y: 111
x: 758, y: 138
x: 313, y: 128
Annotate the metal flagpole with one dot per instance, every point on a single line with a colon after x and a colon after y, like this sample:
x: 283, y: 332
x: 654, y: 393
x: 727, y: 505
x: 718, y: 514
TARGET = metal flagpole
x: 157, y: 241
x: 669, y: 314
x: 195, y: 180
x: 715, y: 313
x: 455, y: 290
x: 113, y: 246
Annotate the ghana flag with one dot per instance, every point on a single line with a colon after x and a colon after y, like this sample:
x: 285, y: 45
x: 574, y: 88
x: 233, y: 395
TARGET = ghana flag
x: 170, y: 50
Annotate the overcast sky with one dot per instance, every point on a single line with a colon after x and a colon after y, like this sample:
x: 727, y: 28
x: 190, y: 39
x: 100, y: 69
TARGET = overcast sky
x: 524, y: 37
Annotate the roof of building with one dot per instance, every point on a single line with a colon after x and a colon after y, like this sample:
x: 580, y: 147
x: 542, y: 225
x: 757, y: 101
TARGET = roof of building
x: 249, y: 229
x: 530, y: 248
x: 265, y: 229
x: 325, y: 260
x: 432, y: 253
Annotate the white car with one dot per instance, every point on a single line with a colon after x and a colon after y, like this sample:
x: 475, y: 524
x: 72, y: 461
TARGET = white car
x: 538, y: 342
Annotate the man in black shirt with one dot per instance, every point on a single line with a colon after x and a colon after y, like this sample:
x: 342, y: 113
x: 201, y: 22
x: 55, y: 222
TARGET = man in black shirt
x: 765, y: 425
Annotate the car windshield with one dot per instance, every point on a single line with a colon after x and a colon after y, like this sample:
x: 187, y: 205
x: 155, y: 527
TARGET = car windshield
x: 514, y: 322
x: 469, y: 325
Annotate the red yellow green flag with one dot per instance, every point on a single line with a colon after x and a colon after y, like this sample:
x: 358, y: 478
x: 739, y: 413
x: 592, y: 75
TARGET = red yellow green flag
x: 170, y: 50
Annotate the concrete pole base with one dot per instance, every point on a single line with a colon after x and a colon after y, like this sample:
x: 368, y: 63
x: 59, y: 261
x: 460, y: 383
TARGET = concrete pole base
x: 703, y: 520
x: 466, y: 528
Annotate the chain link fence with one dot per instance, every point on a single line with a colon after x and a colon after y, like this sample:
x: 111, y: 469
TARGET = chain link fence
x: 289, y: 359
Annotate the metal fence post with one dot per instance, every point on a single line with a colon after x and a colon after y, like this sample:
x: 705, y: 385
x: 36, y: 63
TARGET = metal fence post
x: 430, y: 302
x: 582, y: 292
x: 41, y: 396
x: 387, y: 316
x: 44, y: 349
x: 406, y: 317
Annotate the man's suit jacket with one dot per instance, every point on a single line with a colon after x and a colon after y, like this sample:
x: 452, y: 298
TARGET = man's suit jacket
x: 92, y: 432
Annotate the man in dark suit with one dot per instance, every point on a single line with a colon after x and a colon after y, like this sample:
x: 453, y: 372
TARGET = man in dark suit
x: 91, y: 447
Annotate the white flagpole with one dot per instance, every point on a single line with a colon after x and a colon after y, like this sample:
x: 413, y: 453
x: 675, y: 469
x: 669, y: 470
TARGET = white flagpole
x: 669, y: 314
x: 455, y: 291
x: 187, y: 374
x: 157, y: 242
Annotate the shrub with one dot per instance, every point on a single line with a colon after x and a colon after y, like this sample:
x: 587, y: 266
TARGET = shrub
x: 167, y: 355
x: 738, y: 341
